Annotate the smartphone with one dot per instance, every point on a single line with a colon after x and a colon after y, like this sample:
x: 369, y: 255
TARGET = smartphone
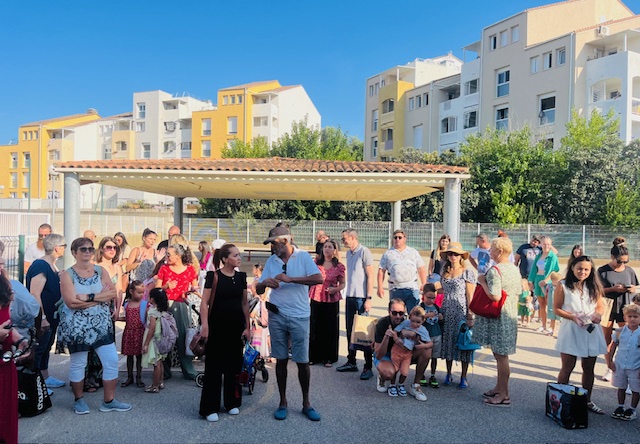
x: 272, y: 307
x: 590, y: 328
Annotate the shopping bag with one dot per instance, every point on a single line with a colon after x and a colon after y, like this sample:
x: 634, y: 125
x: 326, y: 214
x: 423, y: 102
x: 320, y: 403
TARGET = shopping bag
x: 33, y: 397
x: 363, y: 332
x: 608, y: 306
x: 567, y: 405
x: 188, y: 340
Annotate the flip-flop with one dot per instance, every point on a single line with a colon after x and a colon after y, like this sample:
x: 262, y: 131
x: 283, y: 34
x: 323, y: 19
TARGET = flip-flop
x: 127, y: 383
x: 89, y: 388
x: 491, y: 402
x: 151, y: 389
x: 281, y: 413
x: 139, y: 383
x: 489, y: 394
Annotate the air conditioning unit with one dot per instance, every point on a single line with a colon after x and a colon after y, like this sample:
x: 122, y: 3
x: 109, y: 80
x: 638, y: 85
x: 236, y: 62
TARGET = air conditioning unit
x: 603, y: 31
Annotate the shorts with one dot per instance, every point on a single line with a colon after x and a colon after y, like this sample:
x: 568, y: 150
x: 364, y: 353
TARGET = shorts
x: 401, y: 359
x: 283, y: 328
x: 626, y: 376
x: 377, y: 361
x: 436, y: 351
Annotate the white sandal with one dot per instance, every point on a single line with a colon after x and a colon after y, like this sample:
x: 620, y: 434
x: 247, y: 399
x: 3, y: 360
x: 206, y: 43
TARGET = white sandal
x: 594, y: 408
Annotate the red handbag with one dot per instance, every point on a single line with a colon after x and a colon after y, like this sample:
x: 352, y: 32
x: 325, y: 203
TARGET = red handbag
x: 482, y: 305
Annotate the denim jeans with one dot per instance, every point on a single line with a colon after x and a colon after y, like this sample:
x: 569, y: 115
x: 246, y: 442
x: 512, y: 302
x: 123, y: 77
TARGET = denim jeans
x: 410, y: 297
x: 353, y: 306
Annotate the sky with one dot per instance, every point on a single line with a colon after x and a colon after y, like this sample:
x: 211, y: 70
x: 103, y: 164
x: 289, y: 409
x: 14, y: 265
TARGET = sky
x: 62, y: 57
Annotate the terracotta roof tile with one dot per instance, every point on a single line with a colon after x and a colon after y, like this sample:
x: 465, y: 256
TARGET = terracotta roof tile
x: 248, y: 85
x: 269, y: 164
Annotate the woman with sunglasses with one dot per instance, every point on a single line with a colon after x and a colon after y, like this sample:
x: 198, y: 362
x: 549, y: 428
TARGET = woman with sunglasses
x: 86, y: 323
x: 620, y: 285
x: 459, y: 283
x: 124, y: 250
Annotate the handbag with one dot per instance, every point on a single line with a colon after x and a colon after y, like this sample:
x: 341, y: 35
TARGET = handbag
x: 363, y: 332
x: 198, y: 344
x: 482, y: 305
x: 33, y: 397
x: 567, y: 405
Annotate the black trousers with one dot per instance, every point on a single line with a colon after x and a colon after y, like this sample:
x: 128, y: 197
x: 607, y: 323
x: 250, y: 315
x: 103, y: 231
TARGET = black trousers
x: 223, y: 360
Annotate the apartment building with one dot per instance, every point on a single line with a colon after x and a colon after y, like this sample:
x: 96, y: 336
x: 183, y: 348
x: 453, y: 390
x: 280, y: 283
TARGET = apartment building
x: 532, y: 69
x: 244, y: 112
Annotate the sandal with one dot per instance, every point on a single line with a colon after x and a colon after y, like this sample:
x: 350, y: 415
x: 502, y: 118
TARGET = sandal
x: 489, y: 394
x: 161, y: 386
x: 328, y: 364
x: 128, y: 382
x: 139, y: 382
x: 90, y: 388
x: 594, y: 408
x: 151, y: 389
x: 493, y: 402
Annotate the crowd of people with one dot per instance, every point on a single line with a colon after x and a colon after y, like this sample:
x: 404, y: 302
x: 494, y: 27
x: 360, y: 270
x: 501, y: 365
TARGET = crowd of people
x: 296, y: 314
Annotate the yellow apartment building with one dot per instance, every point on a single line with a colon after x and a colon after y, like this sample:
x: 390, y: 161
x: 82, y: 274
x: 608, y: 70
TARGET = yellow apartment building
x: 39, y: 144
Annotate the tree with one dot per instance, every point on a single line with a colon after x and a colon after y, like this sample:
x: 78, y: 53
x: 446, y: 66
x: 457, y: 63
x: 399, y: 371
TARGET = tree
x: 257, y: 148
x: 623, y: 206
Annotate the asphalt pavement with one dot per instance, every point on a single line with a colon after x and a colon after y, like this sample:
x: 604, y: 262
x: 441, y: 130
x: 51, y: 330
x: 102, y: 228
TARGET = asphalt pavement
x: 352, y: 410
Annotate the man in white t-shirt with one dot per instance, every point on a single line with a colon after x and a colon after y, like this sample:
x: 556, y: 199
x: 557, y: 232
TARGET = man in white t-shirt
x: 480, y: 257
x: 36, y: 250
x: 404, y: 265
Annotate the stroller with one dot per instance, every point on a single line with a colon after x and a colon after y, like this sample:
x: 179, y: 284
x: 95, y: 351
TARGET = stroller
x: 252, y: 363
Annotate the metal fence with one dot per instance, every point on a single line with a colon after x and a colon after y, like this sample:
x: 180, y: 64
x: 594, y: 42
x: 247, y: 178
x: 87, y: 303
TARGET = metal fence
x: 596, y: 240
x: 11, y: 255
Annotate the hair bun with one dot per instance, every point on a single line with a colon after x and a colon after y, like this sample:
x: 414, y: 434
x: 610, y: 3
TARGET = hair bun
x: 619, y: 241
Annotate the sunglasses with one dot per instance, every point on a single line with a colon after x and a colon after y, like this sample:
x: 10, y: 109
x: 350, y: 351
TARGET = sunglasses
x: 109, y: 247
x: 397, y: 313
x: 344, y: 239
x: 62, y: 246
x: 398, y: 237
x: 429, y: 297
x: 42, y: 236
x: 451, y: 253
x: 621, y: 262
x: 284, y: 268
x: 87, y: 249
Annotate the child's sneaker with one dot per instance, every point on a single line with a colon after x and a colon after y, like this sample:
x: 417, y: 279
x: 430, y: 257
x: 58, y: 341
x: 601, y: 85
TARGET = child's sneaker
x: 423, y: 381
x: 448, y: 379
x: 629, y: 415
x: 402, y: 391
x: 618, y: 413
x: 392, y: 391
x: 433, y: 382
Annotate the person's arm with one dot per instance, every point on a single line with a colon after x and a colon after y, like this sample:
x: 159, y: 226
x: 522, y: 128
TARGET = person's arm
x: 313, y: 279
x: 381, y: 273
x: 470, y: 288
x: 487, y: 279
x: 558, y: 302
x: 133, y: 261
x: 245, y: 310
x: 422, y: 274
x: 35, y: 288
x: 69, y: 295
x: 473, y: 262
x: 432, y: 262
x: 204, y: 312
x: 610, y: 354
x: 152, y: 330
x: 517, y: 259
x: 370, y: 279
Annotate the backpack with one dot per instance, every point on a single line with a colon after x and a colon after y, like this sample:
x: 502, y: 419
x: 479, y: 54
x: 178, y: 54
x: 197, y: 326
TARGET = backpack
x: 168, y: 334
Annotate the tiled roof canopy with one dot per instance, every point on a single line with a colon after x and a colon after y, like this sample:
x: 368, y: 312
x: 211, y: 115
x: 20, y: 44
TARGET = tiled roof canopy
x: 268, y: 178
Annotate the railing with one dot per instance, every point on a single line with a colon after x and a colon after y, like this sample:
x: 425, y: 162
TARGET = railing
x: 635, y: 106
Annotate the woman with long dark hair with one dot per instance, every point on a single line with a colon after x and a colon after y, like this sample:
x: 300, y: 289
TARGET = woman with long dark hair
x: 579, y: 301
x: 225, y: 322
x: 325, y: 300
x: 436, y: 263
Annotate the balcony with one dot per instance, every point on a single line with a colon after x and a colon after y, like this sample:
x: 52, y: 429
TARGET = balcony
x: 265, y: 109
x: 388, y: 145
x: 471, y: 100
x: 451, y: 108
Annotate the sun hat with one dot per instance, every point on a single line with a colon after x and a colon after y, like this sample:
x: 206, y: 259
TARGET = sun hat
x: 455, y: 247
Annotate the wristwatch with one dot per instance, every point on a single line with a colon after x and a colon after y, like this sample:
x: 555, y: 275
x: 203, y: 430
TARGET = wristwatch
x: 91, y: 297
x: 369, y: 298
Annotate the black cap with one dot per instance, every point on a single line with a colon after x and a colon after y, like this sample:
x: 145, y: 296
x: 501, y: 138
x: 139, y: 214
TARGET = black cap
x: 275, y: 233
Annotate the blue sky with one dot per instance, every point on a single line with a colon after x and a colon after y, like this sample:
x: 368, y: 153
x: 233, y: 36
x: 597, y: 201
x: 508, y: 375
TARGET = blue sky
x: 62, y: 57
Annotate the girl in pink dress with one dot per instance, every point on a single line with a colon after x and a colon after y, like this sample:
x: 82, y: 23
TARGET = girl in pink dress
x: 135, y: 317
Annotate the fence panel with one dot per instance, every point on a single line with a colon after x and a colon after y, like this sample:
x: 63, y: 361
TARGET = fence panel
x: 10, y: 255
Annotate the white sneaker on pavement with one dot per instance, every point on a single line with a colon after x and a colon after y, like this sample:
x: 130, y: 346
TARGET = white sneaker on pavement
x: 417, y: 393
x: 382, y: 388
x: 607, y: 376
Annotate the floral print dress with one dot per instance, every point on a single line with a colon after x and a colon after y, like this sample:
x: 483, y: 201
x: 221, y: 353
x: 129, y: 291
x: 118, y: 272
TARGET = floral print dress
x: 454, y: 309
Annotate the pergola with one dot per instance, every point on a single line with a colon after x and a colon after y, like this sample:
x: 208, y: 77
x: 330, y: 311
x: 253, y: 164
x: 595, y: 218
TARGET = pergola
x: 266, y: 178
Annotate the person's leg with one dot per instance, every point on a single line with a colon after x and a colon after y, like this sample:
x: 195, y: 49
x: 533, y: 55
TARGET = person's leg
x: 304, y: 376
x: 351, y: 307
x: 212, y: 381
x: 280, y: 351
x: 139, y: 370
x: 449, y: 365
x: 158, y: 371
x: 299, y: 332
x: 543, y: 311
x: 504, y: 371
x: 635, y: 397
x: 568, y: 364
x: 78, y: 362
x: 422, y: 357
x: 588, y: 364
x: 181, y: 314
x: 465, y: 368
x: 386, y: 370
x: 232, y: 392
x: 129, y: 380
x: 622, y: 396
x: 109, y: 357
x: 281, y: 378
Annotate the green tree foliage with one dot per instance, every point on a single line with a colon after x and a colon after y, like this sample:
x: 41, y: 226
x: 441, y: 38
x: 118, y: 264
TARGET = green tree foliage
x: 623, y: 206
x: 255, y: 149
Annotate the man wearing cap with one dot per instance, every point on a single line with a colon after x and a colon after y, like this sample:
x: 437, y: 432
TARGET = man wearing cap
x: 526, y: 254
x: 289, y: 272
x: 404, y: 266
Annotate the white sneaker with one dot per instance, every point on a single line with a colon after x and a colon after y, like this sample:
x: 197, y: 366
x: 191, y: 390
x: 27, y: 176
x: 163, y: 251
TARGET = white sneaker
x: 628, y: 391
x: 234, y: 411
x: 382, y: 388
x: 540, y: 329
x: 416, y: 392
x: 607, y: 376
x: 213, y: 417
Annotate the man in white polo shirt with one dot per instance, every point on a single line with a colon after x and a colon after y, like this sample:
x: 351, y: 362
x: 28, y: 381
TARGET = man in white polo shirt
x: 289, y: 272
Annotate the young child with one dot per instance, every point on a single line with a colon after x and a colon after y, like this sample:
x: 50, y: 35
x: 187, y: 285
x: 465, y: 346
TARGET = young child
x: 551, y: 316
x: 432, y: 324
x: 627, y: 363
x: 135, y: 310
x: 401, y: 353
x: 158, y: 307
x: 525, y: 304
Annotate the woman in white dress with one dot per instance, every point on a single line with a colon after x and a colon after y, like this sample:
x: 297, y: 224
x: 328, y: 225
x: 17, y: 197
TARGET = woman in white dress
x: 579, y: 300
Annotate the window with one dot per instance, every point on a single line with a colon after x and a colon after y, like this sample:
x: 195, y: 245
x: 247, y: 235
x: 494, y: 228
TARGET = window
x: 411, y: 103
x: 503, y: 84
x: 206, y: 148
x: 232, y: 125
x: 471, y: 87
x: 206, y: 127
x: 24, y: 135
x: 26, y: 180
x: 493, y: 42
x: 169, y: 147
x: 382, y: 83
x: 418, y: 101
x: 549, y: 142
x: 233, y: 100
x: 387, y: 134
x: 387, y: 106
x: 374, y: 147
x: 504, y: 38
x: 26, y: 160
x: 142, y: 110
x: 425, y: 99
x: 239, y: 100
x: 13, y: 195
x: 14, y: 160
x: 121, y: 146
x: 374, y: 120
x: 547, y: 113
x: 25, y: 195
x: 54, y: 155
x: 417, y: 136
x: 449, y: 125
x: 106, y: 152
x: 30, y: 135
x: 261, y: 121
x: 561, y: 56
x: 533, y: 65
x: 515, y: 34
x: 225, y: 100
x: 14, y: 180
x: 502, y: 119
x: 146, y: 151
x: 140, y: 127
x: 169, y: 105
x: 170, y: 126
x: 35, y: 135
x: 470, y: 119
x: 370, y: 90
x: 547, y: 61
x: 185, y: 146
x: 377, y: 88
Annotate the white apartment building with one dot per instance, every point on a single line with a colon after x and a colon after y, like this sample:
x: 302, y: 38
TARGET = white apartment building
x: 532, y: 69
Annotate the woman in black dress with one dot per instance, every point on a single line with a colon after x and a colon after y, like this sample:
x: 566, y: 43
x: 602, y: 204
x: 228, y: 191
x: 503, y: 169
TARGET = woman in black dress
x: 225, y: 325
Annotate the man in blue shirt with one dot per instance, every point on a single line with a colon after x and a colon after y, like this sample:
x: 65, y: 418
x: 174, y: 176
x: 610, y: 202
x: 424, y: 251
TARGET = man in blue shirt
x: 288, y: 273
